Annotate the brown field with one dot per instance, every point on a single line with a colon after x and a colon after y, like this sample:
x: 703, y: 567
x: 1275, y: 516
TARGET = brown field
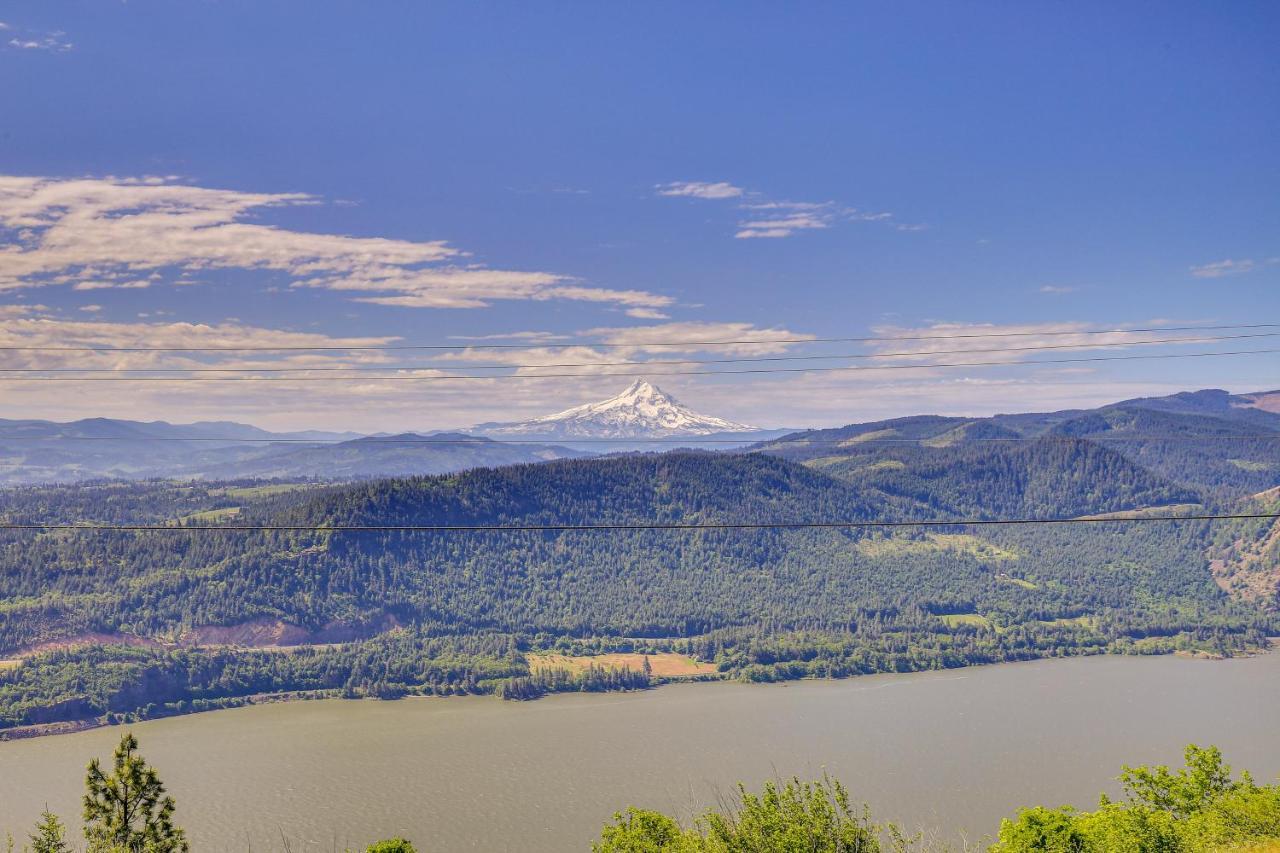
x: 665, y: 664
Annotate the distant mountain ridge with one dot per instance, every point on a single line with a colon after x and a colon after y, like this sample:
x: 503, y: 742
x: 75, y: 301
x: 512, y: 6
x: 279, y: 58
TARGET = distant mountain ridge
x: 645, y: 418
x: 36, y: 451
x: 1205, y: 439
x: 642, y: 410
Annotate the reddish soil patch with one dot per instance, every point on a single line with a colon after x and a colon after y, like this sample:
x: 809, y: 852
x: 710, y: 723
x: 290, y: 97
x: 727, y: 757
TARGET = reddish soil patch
x: 93, y: 638
x: 255, y: 633
x: 664, y: 664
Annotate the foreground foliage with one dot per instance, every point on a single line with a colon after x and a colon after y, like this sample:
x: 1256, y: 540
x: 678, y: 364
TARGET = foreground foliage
x: 815, y: 817
x: 1199, y: 807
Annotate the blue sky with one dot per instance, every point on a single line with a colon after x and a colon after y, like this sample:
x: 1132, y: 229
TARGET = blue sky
x: 247, y: 172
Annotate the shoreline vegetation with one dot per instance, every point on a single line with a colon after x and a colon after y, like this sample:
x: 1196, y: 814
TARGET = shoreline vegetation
x: 1202, y: 807
x: 548, y: 673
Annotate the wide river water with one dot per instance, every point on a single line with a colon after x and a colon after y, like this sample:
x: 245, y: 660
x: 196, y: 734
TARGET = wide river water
x: 950, y: 751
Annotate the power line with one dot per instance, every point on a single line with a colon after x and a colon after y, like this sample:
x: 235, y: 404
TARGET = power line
x: 544, y: 528
x: 633, y: 344
x: 795, y: 437
x: 759, y: 370
x: 751, y: 359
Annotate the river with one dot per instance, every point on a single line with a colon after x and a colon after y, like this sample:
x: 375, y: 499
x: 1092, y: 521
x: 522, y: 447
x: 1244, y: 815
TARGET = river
x: 951, y: 752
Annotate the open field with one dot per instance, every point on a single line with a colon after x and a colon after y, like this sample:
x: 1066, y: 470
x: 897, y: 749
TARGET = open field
x: 262, y: 491
x: 893, y: 546
x: 955, y: 620
x: 1146, y: 512
x: 663, y: 664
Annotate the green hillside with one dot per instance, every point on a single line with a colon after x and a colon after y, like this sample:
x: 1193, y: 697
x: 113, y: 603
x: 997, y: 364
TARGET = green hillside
x: 456, y: 611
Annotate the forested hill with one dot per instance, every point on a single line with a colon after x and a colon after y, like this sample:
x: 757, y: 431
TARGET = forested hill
x: 1040, y: 478
x: 1213, y: 442
x: 684, y: 487
x: 414, y: 611
x: 158, y: 583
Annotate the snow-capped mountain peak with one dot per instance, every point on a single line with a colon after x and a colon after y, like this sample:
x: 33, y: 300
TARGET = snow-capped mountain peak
x: 641, y: 411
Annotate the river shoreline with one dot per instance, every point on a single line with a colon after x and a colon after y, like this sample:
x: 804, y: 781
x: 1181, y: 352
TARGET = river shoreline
x: 41, y: 730
x: 950, y: 751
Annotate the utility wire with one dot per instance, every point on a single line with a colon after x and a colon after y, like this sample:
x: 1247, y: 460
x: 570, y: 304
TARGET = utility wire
x: 758, y: 370
x: 630, y: 345
x: 753, y: 359
x: 781, y: 442
x: 535, y: 528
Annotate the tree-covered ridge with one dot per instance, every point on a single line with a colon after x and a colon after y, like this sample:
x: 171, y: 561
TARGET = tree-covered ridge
x: 1209, y: 441
x: 759, y: 604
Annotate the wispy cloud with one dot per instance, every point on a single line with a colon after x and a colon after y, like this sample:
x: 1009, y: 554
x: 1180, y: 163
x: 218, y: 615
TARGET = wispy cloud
x: 95, y: 233
x: 53, y: 41
x: 700, y: 189
x: 385, y: 399
x: 1008, y: 342
x: 787, y: 217
x: 140, y: 284
x: 776, y: 219
x: 1220, y: 269
x: 647, y: 314
x: 373, y: 403
x: 1058, y: 289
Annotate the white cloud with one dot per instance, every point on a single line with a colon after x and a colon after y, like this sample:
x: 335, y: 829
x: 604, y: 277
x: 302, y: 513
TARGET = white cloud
x: 371, y: 402
x: 139, y: 284
x: 700, y: 189
x: 1219, y: 269
x: 101, y: 230
x: 771, y: 219
x: 54, y: 42
x: 1008, y: 343
x: 690, y: 337
x: 836, y: 399
x: 1058, y: 289
x: 783, y: 226
x: 647, y: 314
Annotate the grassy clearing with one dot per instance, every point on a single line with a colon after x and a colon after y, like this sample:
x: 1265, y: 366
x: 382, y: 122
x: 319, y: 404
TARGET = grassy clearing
x: 250, y: 492
x: 868, y: 436
x: 826, y: 461
x: 955, y: 620
x: 885, y: 465
x: 1090, y: 622
x: 664, y: 664
x: 1144, y: 512
x: 1022, y: 582
x: 1251, y: 465
x: 896, y: 546
x: 222, y: 514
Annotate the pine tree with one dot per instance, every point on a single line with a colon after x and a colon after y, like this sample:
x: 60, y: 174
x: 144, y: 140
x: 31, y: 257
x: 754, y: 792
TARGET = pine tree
x: 127, y: 810
x: 50, y: 835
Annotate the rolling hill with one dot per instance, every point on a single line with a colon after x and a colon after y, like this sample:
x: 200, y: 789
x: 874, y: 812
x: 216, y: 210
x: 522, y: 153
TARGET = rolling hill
x: 109, y: 621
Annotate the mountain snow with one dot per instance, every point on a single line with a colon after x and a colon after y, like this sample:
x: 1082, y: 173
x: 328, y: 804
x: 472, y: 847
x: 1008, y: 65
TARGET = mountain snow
x: 641, y: 411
